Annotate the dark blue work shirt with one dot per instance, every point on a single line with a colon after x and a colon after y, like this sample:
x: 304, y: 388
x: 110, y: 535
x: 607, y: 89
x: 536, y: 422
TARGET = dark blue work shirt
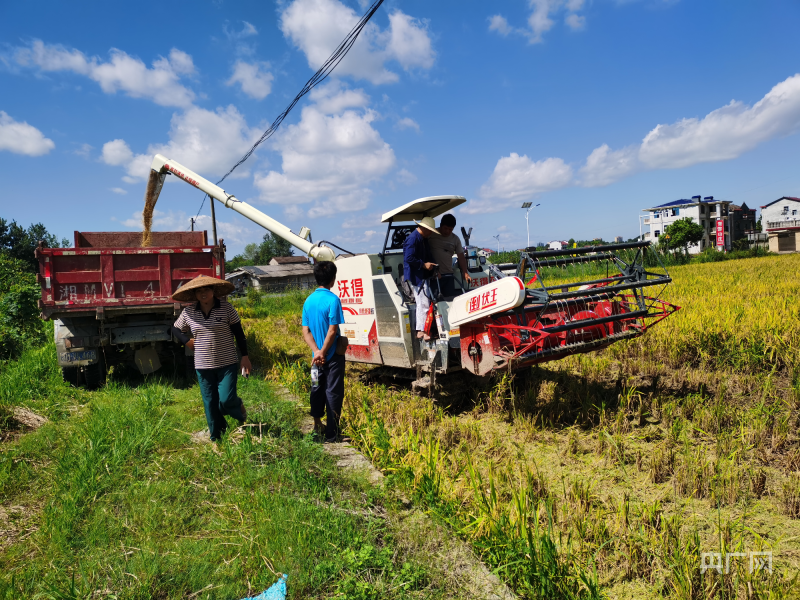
x: 415, y: 254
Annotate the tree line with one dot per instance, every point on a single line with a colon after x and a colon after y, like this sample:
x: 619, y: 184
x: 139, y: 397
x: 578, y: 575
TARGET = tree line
x: 261, y: 253
x: 20, y: 324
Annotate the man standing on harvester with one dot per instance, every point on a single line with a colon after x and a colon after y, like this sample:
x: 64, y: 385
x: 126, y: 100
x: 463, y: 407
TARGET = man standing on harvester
x: 322, y: 315
x: 418, y: 268
x: 443, y: 247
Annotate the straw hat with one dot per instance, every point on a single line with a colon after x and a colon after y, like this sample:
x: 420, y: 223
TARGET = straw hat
x: 428, y: 223
x: 185, y: 293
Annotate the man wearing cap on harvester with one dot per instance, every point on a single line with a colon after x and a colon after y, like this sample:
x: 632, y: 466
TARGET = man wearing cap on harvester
x: 418, y: 268
x: 214, y: 325
x: 443, y: 247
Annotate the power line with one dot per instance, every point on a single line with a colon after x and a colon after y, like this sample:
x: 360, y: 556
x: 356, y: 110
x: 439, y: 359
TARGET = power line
x: 326, y: 69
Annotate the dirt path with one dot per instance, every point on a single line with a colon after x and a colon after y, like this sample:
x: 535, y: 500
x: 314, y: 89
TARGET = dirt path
x: 415, y: 531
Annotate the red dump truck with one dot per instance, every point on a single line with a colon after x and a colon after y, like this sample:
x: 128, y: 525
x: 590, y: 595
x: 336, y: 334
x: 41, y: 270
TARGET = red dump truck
x: 111, y: 299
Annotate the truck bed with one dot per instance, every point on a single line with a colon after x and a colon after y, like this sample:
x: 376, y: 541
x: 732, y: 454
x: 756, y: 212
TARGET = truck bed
x: 120, y: 274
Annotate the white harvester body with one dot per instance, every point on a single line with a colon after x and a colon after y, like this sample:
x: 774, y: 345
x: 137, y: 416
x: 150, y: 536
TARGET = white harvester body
x: 380, y: 320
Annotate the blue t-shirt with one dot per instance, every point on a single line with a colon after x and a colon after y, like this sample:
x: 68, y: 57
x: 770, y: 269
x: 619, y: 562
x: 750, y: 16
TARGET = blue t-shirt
x: 321, y: 310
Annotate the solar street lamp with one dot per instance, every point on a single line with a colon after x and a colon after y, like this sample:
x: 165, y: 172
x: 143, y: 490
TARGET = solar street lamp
x: 528, y: 206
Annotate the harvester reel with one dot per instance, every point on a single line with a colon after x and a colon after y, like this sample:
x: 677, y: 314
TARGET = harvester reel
x: 578, y: 300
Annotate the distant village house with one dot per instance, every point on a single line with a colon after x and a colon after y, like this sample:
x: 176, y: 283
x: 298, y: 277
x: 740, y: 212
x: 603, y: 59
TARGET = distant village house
x: 282, y: 272
x: 716, y: 217
x: 780, y: 219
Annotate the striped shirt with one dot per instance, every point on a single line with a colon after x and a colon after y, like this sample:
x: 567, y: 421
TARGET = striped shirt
x: 214, y: 344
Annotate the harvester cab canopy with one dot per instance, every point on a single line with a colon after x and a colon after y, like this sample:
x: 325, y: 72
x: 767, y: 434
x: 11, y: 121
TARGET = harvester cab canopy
x: 432, y: 206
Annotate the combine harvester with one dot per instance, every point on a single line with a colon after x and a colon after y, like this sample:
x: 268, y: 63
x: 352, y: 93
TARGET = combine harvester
x: 577, y: 300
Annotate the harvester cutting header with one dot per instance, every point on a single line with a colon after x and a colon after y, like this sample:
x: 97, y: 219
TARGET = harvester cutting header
x: 575, y: 300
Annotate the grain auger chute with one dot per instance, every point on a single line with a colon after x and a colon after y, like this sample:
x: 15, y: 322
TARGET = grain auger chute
x: 576, y: 300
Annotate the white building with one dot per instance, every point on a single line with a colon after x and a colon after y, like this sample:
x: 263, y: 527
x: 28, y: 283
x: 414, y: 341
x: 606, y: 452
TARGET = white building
x: 712, y: 215
x: 780, y: 219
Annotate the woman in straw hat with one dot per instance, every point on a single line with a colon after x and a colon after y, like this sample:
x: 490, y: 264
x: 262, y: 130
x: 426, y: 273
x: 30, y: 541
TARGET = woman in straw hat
x: 214, y: 325
x: 418, y: 268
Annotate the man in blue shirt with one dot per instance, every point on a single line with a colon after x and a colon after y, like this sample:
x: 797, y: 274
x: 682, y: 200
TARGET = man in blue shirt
x: 322, y: 315
x: 418, y: 267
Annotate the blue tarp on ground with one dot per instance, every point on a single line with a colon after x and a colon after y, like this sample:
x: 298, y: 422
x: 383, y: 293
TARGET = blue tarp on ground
x: 276, y: 591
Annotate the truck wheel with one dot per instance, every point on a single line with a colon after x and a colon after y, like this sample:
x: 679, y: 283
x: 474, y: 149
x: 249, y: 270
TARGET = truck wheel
x: 94, y: 375
x: 70, y: 375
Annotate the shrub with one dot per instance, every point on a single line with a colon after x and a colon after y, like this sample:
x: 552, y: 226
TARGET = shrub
x: 20, y: 325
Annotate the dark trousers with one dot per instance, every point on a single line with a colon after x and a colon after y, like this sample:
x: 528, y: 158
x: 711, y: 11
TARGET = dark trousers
x: 218, y: 388
x: 449, y: 287
x: 329, y: 395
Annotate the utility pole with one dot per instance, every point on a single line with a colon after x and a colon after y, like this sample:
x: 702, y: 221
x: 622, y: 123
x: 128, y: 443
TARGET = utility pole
x: 192, y: 220
x: 497, y: 237
x: 528, y: 206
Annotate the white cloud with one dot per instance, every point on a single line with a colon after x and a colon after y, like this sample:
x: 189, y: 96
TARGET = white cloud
x: 253, y: 81
x: 604, y: 166
x: 119, y: 191
x: 241, y: 40
x: 328, y: 159
x: 208, y: 142
x: 333, y: 98
x: 21, y: 138
x: 318, y: 26
x: 518, y: 178
x: 407, y: 123
x: 406, y: 177
x: 500, y: 24
x: 248, y: 29
x: 117, y: 153
x: 363, y: 220
x: 575, y: 22
x: 541, y: 19
x: 160, y: 83
x: 83, y: 150
x: 723, y: 134
x: 409, y: 42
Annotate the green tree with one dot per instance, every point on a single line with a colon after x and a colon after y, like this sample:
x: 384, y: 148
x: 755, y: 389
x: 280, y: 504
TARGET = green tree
x: 270, y: 247
x: 20, y: 243
x: 260, y: 254
x: 681, y: 234
x: 20, y: 324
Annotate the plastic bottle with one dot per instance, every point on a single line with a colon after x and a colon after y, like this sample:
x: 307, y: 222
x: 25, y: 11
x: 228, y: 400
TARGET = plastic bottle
x: 314, y: 377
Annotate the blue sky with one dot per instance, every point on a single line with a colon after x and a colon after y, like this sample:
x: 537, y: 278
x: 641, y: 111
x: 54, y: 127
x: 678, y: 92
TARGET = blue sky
x: 594, y: 109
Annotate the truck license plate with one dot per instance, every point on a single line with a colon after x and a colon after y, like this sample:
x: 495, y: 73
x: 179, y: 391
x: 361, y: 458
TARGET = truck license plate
x: 78, y: 356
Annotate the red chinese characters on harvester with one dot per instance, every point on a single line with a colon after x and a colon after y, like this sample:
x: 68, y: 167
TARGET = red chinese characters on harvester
x: 573, y: 307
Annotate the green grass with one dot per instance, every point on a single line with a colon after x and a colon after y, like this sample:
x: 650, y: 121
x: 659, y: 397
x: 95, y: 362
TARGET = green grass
x: 117, y: 501
x: 259, y: 305
x: 34, y: 380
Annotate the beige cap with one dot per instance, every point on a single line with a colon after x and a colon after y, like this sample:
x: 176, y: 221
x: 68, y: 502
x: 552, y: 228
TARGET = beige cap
x: 428, y: 223
x: 185, y: 293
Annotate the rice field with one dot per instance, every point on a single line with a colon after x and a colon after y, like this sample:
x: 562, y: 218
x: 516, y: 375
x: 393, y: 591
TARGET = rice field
x: 620, y: 474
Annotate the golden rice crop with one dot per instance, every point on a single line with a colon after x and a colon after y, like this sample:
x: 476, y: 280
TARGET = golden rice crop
x: 742, y: 314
